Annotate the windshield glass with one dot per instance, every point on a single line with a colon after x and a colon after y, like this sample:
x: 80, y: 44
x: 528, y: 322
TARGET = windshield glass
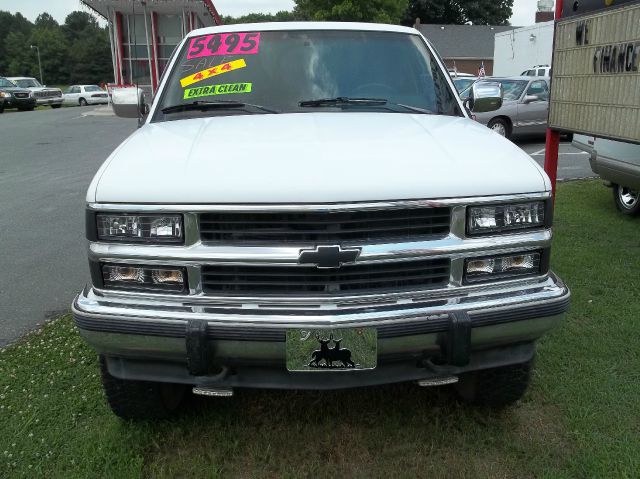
x: 27, y: 83
x: 6, y: 83
x: 278, y: 70
x: 92, y: 88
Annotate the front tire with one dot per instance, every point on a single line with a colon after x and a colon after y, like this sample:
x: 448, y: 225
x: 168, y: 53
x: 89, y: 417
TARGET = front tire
x: 501, y: 127
x: 56, y: 106
x: 83, y: 102
x: 497, y: 387
x: 627, y: 200
x: 140, y: 399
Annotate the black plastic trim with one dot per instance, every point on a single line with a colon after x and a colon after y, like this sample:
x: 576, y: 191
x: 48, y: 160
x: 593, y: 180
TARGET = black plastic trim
x: 428, y: 326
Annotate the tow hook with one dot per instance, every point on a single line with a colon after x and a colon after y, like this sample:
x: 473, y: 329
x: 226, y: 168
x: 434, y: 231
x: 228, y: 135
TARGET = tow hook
x: 441, y: 381
x: 213, y: 391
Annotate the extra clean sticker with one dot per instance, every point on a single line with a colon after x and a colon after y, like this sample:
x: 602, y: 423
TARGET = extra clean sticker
x: 213, y: 71
x: 225, y: 89
x: 224, y: 44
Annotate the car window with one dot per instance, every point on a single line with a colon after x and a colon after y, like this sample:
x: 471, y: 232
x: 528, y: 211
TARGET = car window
x: 91, y: 88
x: 279, y: 69
x: 541, y: 72
x: 531, y: 73
x: 540, y: 89
x: 463, y: 83
x: 76, y: 89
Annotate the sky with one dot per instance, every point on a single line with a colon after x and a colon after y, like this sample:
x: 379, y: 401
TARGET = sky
x: 523, y: 10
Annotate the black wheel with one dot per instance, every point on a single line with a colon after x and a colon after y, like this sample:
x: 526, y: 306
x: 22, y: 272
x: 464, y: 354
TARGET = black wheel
x: 140, y: 399
x: 627, y: 200
x: 497, y: 388
x: 500, y: 126
x: 56, y: 106
x: 82, y: 102
x: 1, y: 110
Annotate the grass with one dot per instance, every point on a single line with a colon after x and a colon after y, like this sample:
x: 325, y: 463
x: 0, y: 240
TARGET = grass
x: 579, y: 419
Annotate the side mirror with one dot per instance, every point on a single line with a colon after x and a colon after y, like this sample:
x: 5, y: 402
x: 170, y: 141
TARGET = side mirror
x: 530, y: 98
x: 485, y: 96
x: 127, y: 102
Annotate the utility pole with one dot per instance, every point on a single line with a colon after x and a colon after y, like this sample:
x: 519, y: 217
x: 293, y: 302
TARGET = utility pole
x: 39, y: 63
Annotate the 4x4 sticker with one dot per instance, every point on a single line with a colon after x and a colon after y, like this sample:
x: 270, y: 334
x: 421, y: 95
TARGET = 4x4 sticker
x: 213, y: 71
x: 224, y: 89
x: 224, y: 44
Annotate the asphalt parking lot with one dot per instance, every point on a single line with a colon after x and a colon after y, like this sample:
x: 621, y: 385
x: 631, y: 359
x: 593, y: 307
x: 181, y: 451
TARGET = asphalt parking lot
x: 47, y: 159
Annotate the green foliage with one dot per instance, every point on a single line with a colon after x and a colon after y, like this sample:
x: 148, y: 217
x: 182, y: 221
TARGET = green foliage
x: 76, y: 52
x: 282, y: 16
x: 380, y: 11
x: 478, y: 12
x: 9, y: 23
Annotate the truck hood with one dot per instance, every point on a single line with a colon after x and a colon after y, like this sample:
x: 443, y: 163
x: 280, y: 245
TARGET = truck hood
x: 313, y: 157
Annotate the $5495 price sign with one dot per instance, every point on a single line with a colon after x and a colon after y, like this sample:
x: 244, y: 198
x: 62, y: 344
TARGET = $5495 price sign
x: 224, y: 44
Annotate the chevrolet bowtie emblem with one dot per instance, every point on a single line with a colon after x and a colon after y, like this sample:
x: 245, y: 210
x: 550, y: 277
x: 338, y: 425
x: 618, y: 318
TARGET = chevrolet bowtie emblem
x: 328, y: 256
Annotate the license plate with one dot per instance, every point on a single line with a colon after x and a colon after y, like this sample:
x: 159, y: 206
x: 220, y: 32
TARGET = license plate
x: 332, y: 349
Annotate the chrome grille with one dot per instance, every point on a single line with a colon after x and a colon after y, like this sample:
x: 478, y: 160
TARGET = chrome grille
x: 47, y: 93
x: 311, y: 281
x: 325, y: 227
x: 21, y: 95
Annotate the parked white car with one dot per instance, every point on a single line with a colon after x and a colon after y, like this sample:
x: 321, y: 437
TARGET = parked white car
x: 84, y: 95
x: 43, y: 94
x: 618, y: 163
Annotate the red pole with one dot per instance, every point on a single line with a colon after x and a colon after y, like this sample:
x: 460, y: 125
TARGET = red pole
x: 553, y: 136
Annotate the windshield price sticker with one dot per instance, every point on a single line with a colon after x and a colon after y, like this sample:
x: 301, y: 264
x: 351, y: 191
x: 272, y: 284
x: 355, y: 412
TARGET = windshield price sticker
x: 213, y: 71
x: 224, y: 44
x: 224, y: 89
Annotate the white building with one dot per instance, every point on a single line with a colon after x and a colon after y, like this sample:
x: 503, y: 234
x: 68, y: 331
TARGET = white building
x: 518, y: 50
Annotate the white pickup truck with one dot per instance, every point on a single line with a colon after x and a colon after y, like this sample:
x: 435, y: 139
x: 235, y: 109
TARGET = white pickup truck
x: 310, y: 206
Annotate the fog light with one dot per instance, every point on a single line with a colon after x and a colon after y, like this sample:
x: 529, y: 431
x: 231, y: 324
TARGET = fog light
x: 124, y: 274
x: 525, y: 261
x: 160, y: 279
x: 501, y: 267
x: 481, y: 266
x: 164, y: 276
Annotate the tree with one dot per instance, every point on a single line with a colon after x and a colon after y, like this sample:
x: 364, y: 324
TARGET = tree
x: 20, y: 61
x: 54, y: 49
x: 45, y: 20
x: 282, y: 16
x: 382, y: 11
x: 77, y: 22
x: 11, y: 23
x: 478, y: 12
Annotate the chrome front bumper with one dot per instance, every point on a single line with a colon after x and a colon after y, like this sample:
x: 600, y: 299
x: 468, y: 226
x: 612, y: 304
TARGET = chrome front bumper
x: 150, y: 331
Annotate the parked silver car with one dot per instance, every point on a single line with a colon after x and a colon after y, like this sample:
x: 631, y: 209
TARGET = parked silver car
x: 524, y: 109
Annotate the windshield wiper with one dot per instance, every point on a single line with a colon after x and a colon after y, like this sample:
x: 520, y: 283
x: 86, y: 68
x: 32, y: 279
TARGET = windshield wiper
x: 213, y: 105
x: 342, y: 100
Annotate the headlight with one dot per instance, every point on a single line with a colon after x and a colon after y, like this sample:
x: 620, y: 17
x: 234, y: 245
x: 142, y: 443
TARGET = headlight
x: 165, y: 279
x: 502, y: 267
x: 5, y: 94
x: 140, y: 228
x: 488, y: 219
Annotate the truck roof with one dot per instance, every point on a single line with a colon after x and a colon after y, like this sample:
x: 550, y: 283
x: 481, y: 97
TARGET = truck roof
x: 279, y: 26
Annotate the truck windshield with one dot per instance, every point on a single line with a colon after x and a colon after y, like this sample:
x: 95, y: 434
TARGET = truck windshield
x: 6, y: 83
x: 302, y: 71
x: 28, y: 83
